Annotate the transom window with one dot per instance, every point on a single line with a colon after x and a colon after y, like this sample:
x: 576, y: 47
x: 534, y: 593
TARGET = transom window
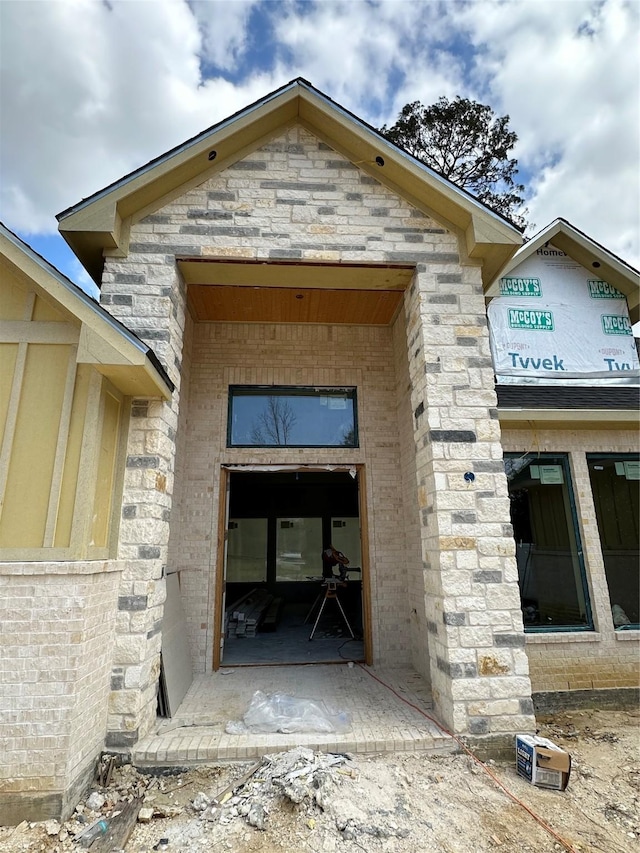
x: 266, y: 416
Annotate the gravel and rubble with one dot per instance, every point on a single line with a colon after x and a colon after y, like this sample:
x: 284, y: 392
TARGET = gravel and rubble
x: 303, y: 800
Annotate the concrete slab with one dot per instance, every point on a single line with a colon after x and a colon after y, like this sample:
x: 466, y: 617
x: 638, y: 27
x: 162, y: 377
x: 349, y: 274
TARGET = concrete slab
x: 381, y: 720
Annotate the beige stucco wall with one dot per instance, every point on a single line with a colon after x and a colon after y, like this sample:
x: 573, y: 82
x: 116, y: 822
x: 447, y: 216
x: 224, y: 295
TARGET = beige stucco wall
x: 603, y: 657
x: 57, y: 628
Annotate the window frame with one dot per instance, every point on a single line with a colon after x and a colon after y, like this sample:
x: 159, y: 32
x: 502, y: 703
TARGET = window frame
x: 565, y: 461
x: 312, y: 391
x: 609, y: 455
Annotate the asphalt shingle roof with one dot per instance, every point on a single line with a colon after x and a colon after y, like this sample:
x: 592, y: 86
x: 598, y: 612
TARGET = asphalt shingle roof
x: 567, y: 397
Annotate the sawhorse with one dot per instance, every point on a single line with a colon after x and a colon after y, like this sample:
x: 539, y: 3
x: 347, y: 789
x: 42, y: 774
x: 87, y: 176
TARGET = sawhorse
x: 331, y: 592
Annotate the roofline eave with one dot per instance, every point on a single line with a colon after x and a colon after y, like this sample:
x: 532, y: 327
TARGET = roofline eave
x: 72, y: 298
x: 521, y: 418
x: 101, y: 222
x: 585, y: 251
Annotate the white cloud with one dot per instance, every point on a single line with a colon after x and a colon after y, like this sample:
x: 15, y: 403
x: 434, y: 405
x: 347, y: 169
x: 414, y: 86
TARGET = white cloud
x: 92, y: 90
x: 568, y: 74
x: 224, y: 26
x: 368, y: 55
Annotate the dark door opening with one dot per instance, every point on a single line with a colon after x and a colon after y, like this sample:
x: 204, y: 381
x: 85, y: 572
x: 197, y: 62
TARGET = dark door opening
x: 278, y: 526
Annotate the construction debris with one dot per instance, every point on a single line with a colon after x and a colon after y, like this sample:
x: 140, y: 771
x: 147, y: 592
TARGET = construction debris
x: 403, y: 802
x: 95, y: 801
x: 120, y: 828
x: 299, y: 775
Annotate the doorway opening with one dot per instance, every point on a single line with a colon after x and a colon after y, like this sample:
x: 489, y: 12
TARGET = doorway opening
x: 276, y: 606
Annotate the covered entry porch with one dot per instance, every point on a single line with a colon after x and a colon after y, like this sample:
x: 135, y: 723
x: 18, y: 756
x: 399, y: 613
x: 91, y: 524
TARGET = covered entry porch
x: 296, y: 429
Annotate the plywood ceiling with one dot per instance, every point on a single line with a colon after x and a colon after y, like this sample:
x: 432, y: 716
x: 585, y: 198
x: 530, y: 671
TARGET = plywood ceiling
x: 281, y: 291
x: 223, y: 303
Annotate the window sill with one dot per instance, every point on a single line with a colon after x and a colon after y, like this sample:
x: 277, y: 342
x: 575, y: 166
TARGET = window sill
x: 627, y: 635
x: 563, y: 637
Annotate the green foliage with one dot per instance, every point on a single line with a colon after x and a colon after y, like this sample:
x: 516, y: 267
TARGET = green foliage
x: 467, y: 143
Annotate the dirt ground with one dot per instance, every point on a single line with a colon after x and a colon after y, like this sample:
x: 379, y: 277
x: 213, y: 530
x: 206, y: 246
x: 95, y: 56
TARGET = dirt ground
x: 401, y: 803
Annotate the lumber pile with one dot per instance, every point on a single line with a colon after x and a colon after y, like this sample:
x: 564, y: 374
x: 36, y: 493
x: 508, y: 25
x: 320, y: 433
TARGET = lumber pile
x: 272, y: 616
x: 244, y: 617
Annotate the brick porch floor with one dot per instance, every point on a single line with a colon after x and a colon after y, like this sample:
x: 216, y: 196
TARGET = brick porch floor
x: 381, y: 722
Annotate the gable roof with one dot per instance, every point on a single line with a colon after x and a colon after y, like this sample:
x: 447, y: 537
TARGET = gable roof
x: 101, y: 223
x: 103, y: 341
x: 586, y: 252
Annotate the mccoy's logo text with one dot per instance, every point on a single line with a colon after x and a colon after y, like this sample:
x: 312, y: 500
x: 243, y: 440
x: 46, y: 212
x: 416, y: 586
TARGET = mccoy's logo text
x: 520, y: 287
x: 601, y: 290
x: 537, y: 321
x: 614, y: 324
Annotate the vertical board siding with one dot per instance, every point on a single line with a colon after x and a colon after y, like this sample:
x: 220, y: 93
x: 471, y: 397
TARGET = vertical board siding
x: 69, y: 484
x: 8, y: 358
x: 43, y: 312
x: 61, y: 447
x: 80, y: 527
x: 107, y: 446
x: 33, y: 448
x: 14, y: 302
x: 10, y: 426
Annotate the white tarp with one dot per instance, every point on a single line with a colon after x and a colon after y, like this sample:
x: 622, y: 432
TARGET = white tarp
x: 556, y: 319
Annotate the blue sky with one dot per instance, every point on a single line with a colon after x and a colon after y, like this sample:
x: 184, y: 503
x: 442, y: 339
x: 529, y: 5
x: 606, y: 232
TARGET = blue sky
x: 91, y: 90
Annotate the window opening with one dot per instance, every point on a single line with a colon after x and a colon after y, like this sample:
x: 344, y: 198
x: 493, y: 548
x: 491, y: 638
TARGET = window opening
x: 298, y: 544
x: 551, y: 574
x: 247, y: 550
x: 262, y: 416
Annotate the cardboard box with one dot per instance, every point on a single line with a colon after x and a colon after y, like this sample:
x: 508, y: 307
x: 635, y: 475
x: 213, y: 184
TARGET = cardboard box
x: 542, y: 762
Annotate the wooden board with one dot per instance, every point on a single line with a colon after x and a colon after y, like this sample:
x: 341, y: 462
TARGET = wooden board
x: 292, y: 305
x: 120, y: 828
x: 177, y: 673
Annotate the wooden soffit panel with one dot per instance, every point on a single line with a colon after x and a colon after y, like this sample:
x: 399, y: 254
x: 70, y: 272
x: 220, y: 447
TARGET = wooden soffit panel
x: 246, y: 291
x: 226, y: 303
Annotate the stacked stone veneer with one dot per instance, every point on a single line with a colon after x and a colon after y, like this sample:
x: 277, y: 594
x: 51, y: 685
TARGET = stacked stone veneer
x: 57, y: 627
x: 479, y: 670
x: 295, y: 198
x: 582, y: 660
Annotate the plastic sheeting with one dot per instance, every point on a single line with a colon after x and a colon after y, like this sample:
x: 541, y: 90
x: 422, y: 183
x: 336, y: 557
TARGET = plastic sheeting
x: 557, y: 320
x: 279, y: 712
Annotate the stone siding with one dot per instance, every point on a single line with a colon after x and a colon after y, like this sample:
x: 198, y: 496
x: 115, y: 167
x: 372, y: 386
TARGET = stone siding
x: 479, y: 671
x: 418, y: 625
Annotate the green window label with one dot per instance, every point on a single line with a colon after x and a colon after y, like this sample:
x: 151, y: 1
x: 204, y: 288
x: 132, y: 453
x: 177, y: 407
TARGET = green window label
x: 520, y: 287
x: 536, y: 321
x: 615, y: 324
x: 601, y: 290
